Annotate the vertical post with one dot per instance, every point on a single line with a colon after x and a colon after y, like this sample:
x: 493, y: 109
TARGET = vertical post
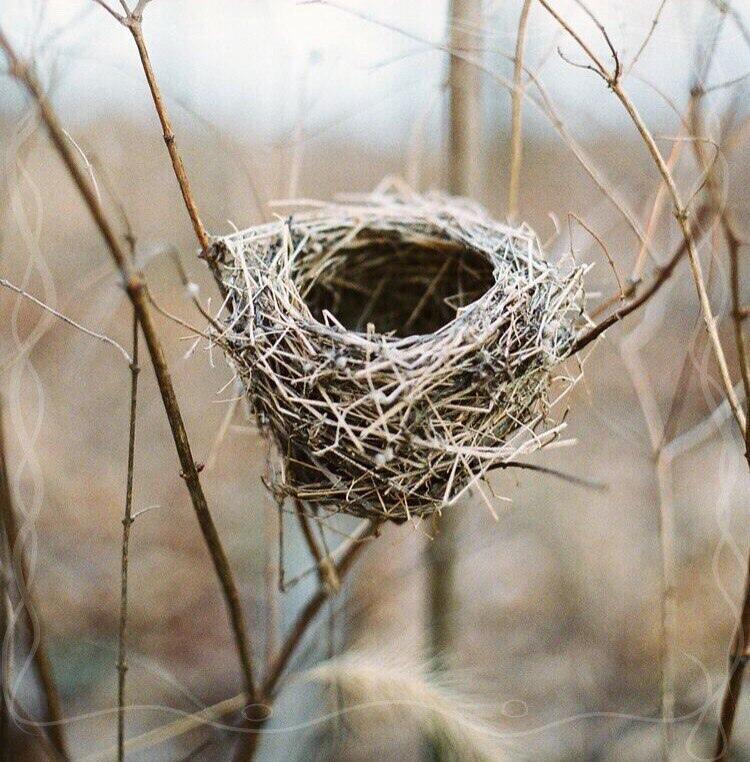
x: 465, y: 99
x: 464, y: 149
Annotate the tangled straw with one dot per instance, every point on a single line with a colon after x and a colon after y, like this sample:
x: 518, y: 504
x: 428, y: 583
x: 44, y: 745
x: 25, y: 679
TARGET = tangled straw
x: 396, y: 347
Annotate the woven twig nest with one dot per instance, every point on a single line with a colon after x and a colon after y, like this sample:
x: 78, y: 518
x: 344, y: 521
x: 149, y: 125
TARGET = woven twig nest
x: 395, y: 348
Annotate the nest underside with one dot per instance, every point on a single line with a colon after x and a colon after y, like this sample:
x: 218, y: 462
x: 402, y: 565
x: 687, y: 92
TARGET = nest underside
x: 396, y: 349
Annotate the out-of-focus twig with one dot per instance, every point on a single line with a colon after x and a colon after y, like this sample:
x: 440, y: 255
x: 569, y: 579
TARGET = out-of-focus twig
x: 19, y: 566
x: 94, y: 335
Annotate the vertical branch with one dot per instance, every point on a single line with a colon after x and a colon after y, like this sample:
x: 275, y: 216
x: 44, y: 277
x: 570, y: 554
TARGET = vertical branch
x: 738, y: 653
x: 464, y: 131
x: 516, y: 134
x: 9, y: 528
x: 464, y: 139
x: 464, y: 136
x: 135, y: 287
x: 134, y: 25
x: 127, y: 522
x: 325, y: 566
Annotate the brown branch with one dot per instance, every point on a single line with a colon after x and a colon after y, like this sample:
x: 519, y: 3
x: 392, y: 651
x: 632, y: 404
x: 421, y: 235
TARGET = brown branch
x: 310, y: 611
x: 323, y: 563
x: 603, y: 247
x: 132, y: 20
x: 135, y: 287
x: 133, y: 23
x: 738, y: 655
x: 127, y: 522
x: 256, y: 715
x: 663, y: 274
x: 19, y: 565
x: 4, y: 667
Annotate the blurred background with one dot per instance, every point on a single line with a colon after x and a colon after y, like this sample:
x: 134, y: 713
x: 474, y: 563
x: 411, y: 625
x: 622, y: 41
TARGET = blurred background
x: 556, y: 619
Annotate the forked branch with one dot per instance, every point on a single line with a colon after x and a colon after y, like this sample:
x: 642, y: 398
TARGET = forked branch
x: 135, y: 286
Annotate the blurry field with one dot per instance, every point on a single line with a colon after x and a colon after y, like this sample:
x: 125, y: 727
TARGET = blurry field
x: 559, y: 600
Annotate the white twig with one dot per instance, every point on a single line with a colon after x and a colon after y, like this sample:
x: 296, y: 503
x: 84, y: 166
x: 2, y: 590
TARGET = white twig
x: 65, y: 319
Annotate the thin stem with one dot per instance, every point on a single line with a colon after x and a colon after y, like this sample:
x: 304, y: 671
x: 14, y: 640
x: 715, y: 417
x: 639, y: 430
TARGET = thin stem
x: 94, y: 335
x: 135, y: 287
x: 323, y: 563
x: 134, y: 25
x: 9, y: 527
x: 257, y: 715
x: 309, y: 612
x: 663, y: 274
x: 516, y: 134
x: 680, y: 212
x: 127, y: 522
x: 4, y: 667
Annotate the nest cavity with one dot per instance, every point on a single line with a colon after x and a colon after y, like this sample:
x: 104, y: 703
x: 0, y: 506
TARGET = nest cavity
x: 396, y: 348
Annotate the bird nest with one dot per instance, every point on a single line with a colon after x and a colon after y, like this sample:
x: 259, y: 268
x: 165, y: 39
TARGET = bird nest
x: 396, y: 348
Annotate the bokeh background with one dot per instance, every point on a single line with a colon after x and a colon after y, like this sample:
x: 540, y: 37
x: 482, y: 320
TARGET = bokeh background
x: 558, y: 602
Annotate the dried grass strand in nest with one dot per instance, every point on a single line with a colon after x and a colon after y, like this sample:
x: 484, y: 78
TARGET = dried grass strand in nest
x: 396, y: 347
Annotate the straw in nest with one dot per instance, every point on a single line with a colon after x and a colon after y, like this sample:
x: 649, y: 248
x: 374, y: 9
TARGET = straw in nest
x: 396, y: 347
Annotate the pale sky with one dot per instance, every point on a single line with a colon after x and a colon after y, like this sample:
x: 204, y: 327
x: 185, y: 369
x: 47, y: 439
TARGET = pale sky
x: 269, y: 67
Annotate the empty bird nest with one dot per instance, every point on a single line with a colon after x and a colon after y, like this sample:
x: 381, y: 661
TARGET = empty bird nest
x: 396, y: 347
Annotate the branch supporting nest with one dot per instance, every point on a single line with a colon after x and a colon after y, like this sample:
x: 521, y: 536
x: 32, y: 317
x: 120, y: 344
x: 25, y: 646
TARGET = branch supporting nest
x: 396, y: 347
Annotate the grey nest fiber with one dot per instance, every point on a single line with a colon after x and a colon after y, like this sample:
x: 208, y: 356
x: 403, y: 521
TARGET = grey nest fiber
x: 396, y: 347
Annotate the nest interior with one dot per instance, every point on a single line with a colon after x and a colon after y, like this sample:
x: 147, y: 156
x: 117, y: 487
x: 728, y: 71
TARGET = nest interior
x: 395, y: 348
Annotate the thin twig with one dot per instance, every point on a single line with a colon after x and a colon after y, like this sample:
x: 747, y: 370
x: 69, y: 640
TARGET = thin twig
x: 603, y: 247
x: 257, y: 714
x: 127, y: 522
x: 662, y: 275
x: 19, y: 565
x: 66, y: 319
x: 135, y: 286
x: 648, y: 36
x: 326, y: 568
x: 311, y: 609
x: 680, y: 210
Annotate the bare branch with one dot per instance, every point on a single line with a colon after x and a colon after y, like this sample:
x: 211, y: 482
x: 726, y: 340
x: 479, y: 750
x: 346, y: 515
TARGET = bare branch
x: 94, y: 335
x: 680, y: 211
x: 326, y: 568
x: 112, y: 12
x: 135, y: 286
x: 648, y: 36
x: 127, y: 522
